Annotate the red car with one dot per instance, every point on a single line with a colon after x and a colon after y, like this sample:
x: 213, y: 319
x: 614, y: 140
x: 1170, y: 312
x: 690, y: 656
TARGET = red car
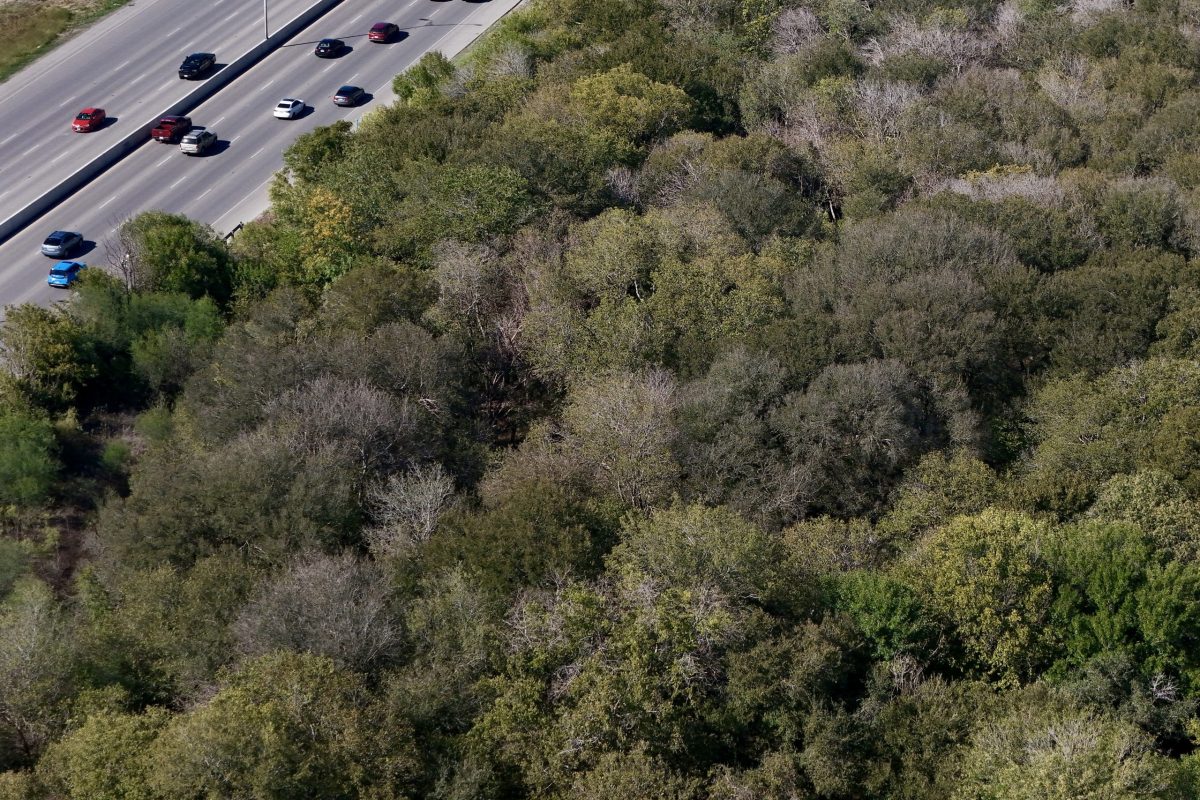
x: 382, y: 32
x: 90, y: 119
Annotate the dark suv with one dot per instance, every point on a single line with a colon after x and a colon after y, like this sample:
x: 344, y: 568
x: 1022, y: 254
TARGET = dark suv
x: 195, y: 65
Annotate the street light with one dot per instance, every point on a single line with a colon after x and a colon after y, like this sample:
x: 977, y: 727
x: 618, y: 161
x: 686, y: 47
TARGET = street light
x: 266, y: 30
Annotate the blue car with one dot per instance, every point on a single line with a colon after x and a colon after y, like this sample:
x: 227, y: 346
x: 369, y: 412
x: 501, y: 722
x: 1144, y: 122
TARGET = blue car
x: 64, y: 273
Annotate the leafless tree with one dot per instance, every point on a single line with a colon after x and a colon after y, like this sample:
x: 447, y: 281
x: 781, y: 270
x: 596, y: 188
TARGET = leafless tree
x: 622, y: 182
x: 121, y: 251
x: 1007, y: 24
x: 466, y: 278
x: 1086, y: 11
x: 1076, y: 85
x: 957, y: 45
x: 792, y: 29
x: 510, y: 61
x: 878, y: 107
x: 1042, y: 189
x: 349, y: 414
x: 34, y: 668
x: 334, y: 606
x: 620, y: 428
x: 407, y: 507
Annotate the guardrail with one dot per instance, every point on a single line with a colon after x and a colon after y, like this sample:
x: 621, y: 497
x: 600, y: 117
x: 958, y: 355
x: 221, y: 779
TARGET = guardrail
x: 141, y: 133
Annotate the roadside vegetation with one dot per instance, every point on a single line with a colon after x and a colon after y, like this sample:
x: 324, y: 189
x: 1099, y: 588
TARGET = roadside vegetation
x: 33, y: 28
x: 684, y: 400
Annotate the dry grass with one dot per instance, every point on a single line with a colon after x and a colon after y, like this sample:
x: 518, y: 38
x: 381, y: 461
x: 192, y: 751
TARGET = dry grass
x: 31, y: 27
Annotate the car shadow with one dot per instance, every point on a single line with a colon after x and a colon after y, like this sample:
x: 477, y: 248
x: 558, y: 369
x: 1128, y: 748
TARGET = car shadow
x: 304, y: 112
x: 366, y: 98
x: 217, y: 147
x: 108, y: 123
x: 84, y: 248
x: 214, y: 70
x: 399, y: 37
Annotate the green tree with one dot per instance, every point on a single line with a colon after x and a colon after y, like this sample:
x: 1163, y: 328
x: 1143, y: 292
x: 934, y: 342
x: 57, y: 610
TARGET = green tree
x: 628, y: 103
x: 161, y: 633
x: 312, y: 152
x: 285, y: 726
x: 28, y: 462
x: 105, y: 758
x: 170, y: 253
x: 534, y: 534
x: 48, y: 354
x: 468, y: 203
x: 1046, y: 748
x: 1086, y: 431
x: 989, y: 576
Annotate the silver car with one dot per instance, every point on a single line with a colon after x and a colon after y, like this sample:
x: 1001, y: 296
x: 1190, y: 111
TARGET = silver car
x: 197, y: 140
x: 61, y: 244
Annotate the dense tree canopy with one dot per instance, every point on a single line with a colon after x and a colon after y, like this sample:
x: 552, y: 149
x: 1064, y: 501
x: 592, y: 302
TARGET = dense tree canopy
x: 668, y: 399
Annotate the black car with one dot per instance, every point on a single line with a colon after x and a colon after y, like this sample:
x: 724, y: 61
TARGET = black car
x: 328, y: 48
x: 61, y: 244
x: 195, y: 65
x: 348, y: 96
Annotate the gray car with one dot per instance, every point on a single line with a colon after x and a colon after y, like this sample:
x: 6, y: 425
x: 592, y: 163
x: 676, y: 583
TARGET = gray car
x: 61, y: 244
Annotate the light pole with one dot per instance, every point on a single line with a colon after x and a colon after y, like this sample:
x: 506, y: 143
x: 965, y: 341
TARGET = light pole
x: 266, y: 30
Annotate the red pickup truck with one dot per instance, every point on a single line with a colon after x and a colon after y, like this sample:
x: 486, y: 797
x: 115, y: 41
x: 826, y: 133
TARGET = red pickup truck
x: 171, y: 129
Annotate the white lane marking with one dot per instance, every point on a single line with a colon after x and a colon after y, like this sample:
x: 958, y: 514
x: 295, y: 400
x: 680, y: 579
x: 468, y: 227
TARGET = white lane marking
x: 206, y: 191
x: 234, y: 139
x: 176, y: 183
x: 106, y: 202
x: 352, y: 77
x: 7, y: 139
x: 256, y: 152
x: 123, y: 65
x: 30, y: 150
x: 177, y: 30
x: 383, y: 88
x: 58, y: 158
x: 268, y: 83
x: 65, y: 102
x: 165, y: 159
x: 238, y: 204
x: 217, y: 121
x: 360, y: 16
x: 331, y: 66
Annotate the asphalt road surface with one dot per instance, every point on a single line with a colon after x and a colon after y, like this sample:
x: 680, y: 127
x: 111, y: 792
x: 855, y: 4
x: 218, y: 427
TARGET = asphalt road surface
x: 229, y: 185
x: 127, y: 64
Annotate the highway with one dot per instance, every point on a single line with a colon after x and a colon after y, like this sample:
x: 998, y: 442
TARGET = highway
x: 125, y: 63
x: 230, y: 184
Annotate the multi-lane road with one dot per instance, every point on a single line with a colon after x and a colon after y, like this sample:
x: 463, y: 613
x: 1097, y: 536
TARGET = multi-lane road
x: 126, y: 64
x: 230, y: 185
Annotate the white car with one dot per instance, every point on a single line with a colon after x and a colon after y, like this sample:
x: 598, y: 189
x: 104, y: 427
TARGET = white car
x: 288, y: 108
